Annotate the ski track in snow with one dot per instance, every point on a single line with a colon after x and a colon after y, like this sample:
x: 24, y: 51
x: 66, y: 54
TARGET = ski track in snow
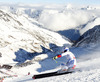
x: 90, y: 72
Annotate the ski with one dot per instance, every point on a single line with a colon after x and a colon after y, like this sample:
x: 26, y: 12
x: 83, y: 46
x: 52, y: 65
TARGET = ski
x: 50, y: 74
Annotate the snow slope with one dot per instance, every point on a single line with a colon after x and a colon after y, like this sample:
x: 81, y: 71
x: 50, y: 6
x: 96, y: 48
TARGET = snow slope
x: 22, y: 32
x: 87, y: 61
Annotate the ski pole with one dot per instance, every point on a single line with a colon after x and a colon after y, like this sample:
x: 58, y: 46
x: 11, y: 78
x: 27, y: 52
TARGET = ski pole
x: 55, y: 61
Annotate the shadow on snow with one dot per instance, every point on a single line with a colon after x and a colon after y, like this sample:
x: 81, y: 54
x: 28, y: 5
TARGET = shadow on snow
x: 47, y: 64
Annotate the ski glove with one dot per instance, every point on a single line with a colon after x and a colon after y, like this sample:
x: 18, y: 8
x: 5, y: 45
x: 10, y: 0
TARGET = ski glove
x: 58, y: 56
x: 54, y: 58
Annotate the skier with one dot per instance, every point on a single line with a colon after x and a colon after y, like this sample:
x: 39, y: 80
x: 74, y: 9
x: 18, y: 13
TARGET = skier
x: 70, y: 62
x: 66, y: 68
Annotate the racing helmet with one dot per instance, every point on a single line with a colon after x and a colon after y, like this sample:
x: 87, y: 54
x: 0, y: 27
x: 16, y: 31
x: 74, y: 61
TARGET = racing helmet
x: 66, y: 49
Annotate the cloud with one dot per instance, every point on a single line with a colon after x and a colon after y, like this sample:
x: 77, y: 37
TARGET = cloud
x: 66, y: 19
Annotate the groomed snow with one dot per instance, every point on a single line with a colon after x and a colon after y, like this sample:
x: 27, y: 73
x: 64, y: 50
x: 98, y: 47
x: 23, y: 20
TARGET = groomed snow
x: 87, y: 61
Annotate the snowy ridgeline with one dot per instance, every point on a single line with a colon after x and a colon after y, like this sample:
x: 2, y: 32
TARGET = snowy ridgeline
x: 57, y: 17
x: 65, y: 19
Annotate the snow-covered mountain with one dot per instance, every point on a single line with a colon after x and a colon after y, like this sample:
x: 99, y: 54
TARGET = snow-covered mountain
x: 90, y: 38
x: 34, y: 31
x: 21, y: 32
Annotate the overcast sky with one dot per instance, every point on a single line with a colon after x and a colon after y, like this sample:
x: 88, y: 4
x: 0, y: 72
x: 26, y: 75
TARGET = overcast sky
x: 87, y: 2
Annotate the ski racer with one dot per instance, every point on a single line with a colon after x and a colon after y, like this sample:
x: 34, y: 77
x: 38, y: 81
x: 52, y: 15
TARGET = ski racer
x: 70, y: 62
